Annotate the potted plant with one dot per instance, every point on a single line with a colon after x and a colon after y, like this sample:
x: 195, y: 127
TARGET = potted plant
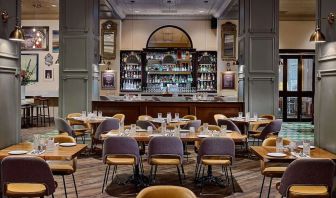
x: 25, y: 75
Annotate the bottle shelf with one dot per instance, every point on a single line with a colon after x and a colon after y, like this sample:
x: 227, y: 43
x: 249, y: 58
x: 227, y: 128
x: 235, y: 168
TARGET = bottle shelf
x: 170, y: 72
x: 169, y: 82
x: 132, y: 78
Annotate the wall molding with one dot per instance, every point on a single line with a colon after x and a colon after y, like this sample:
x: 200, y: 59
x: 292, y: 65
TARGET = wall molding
x: 327, y: 72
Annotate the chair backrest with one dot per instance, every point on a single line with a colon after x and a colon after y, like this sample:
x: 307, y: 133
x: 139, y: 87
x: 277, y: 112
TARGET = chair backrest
x: 210, y: 127
x: 73, y: 122
x: 272, y: 127
x: 268, y: 116
x: 121, y: 145
x: 120, y: 117
x: 229, y: 125
x: 18, y: 169
x: 145, y: 123
x: 63, y: 127
x: 190, y: 117
x: 165, y: 146
x: 106, y: 126
x: 219, y: 116
x: 308, y: 172
x: 214, y: 146
x: 64, y: 139
x: 193, y: 123
x: 272, y: 141
x: 166, y: 192
x: 145, y: 117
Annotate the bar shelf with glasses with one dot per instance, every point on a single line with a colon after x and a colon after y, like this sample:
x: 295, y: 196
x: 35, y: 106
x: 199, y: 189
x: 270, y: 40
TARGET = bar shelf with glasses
x: 207, y: 71
x: 130, y: 71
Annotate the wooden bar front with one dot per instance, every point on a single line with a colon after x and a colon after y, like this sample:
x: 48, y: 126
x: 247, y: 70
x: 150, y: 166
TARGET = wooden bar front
x: 203, y: 110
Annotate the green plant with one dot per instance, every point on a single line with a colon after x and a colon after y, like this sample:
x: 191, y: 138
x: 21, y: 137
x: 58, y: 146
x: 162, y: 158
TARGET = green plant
x: 26, y: 74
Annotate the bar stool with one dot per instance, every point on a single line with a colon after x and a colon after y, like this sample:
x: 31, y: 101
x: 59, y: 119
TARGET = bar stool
x: 43, y: 108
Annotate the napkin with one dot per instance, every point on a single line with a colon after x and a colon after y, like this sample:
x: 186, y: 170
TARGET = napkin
x: 300, y: 155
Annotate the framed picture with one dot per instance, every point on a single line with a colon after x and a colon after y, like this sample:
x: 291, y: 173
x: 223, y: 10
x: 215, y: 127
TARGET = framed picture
x: 36, y: 38
x: 30, y: 63
x: 228, y: 80
x: 228, y: 43
x: 55, y: 41
x: 49, y: 74
x: 108, y: 79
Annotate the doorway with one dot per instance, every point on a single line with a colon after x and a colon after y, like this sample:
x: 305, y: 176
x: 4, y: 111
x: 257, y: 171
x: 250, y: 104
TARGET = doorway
x: 296, y: 86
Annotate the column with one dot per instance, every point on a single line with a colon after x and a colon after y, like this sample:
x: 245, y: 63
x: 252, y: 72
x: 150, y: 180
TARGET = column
x: 325, y: 89
x: 258, y: 55
x: 79, y: 54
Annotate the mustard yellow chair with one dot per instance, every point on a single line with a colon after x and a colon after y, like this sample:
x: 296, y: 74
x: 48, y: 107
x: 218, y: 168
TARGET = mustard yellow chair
x: 64, y: 167
x: 166, y: 192
x: 271, y: 171
x: 190, y: 117
x: 80, y: 128
x: 120, y: 117
x: 145, y: 117
x: 219, y: 117
x: 200, y: 129
x: 255, y: 127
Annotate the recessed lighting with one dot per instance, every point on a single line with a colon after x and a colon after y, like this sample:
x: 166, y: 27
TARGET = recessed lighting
x: 53, y: 5
x: 201, y: 11
x: 136, y: 11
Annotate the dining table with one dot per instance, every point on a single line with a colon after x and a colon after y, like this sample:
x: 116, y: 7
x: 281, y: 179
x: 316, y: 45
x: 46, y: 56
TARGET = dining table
x: 245, y: 124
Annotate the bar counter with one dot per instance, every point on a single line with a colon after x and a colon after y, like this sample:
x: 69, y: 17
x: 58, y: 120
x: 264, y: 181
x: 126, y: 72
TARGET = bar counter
x: 148, y: 105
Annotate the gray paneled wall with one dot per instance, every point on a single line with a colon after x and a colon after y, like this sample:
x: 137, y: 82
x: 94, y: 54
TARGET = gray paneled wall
x: 79, y: 23
x: 258, y: 53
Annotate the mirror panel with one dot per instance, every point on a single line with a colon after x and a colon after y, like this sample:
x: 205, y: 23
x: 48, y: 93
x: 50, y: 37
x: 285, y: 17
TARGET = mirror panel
x: 108, y: 36
x: 228, y: 45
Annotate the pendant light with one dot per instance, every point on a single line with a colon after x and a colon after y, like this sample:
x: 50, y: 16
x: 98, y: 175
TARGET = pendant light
x: 17, y: 34
x: 317, y: 36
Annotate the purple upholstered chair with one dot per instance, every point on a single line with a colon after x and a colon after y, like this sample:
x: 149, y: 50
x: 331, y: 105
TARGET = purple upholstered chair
x: 144, y: 124
x: 29, y: 170
x: 273, y: 127
x: 104, y: 127
x: 120, y: 151
x: 63, y: 127
x: 302, y: 174
x: 215, y: 151
x: 229, y: 124
x: 193, y: 123
x: 165, y: 151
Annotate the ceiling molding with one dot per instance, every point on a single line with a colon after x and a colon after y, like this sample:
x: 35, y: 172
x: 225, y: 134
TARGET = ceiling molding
x: 167, y: 17
x: 222, y: 9
x: 116, y: 8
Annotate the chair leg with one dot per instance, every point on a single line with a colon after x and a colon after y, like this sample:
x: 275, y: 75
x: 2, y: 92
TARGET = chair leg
x: 262, y: 186
x: 202, y: 178
x: 199, y: 171
x: 114, y: 172
x: 65, y: 192
x: 269, y: 188
x: 74, y: 181
x: 108, y: 174
x: 151, y: 175
x: 179, y: 174
x: 196, y: 171
x: 104, y: 178
x: 232, y: 183
x: 155, y: 169
x: 184, y: 176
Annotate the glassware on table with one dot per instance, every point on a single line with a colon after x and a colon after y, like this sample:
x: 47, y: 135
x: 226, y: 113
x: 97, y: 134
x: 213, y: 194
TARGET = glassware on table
x: 240, y: 114
x: 139, y: 96
x: 83, y: 115
x: 100, y: 114
x: 150, y: 129
x: 50, y: 144
x: 292, y: 146
x: 279, y: 144
x: 223, y: 130
x: 159, y: 116
x: 255, y: 116
x: 177, y: 116
x: 121, y: 127
x: 247, y: 116
x: 36, y: 141
x: 133, y: 129
x: 205, y: 128
x: 306, y: 147
x: 192, y: 130
x: 95, y: 114
x: 169, y: 117
x: 163, y: 127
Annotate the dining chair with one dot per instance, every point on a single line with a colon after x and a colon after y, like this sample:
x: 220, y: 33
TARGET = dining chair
x: 193, y: 123
x: 166, y: 192
x: 63, y: 127
x: 219, y: 116
x: 215, y: 151
x: 119, y: 151
x: 165, y: 151
x: 24, y: 176
x: 103, y: 128
x: 229, y: 125
x: 120, y: 117
x: 307, y: 178
x: 200, y: 129
x: 144, y: 124
x: 255, y: 127
x: 80, y: 127
x: 273, y: 128
x: 145, y: 117
x: 64, y: 167
x: 271, y: 171
x: 190, y: 117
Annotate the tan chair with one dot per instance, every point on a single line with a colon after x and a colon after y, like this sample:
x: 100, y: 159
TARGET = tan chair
x: 255, y: 127
x: 166, y: 192
x: 200, y: 129
x: 80, y: 128
x: 64, y: 167
x: 219, y: 116
x: 145, y: 117
x: 271, y: 171
x: 190, y: 117
x: 120, y: 117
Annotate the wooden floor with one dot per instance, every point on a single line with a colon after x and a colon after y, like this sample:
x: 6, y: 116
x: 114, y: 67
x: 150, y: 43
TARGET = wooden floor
x: 90, y: 171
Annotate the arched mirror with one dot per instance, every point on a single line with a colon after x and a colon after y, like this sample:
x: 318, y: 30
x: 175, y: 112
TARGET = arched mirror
x: 169, y: 37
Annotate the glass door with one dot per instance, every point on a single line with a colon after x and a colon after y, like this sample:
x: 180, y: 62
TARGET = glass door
x: 296, y: 87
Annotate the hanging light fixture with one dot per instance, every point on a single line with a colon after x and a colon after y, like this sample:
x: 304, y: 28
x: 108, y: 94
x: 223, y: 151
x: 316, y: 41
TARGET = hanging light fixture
x: 17, y: 34
x: 317, y: 36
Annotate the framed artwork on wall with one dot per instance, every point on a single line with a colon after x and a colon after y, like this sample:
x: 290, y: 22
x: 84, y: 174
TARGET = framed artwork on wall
x: 30, y: 65
x: 36, y: 38
x: 108, y: 37
x: 228, y: 80
x: 228, y: 43
x: 108, y: 79
x: 48, y: 74
x: 55, y: 41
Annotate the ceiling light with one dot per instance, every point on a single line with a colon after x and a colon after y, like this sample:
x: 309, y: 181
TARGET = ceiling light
x: 17, y: 34
x: 317, y: 36
x: 53, y: 5
x: 201, y: 11
x: 136, y: 11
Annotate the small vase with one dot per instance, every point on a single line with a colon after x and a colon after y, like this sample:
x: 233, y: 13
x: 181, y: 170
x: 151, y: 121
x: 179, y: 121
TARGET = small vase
x: 23, y: 92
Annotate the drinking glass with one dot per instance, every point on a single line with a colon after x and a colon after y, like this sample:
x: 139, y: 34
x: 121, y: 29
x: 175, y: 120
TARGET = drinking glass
x: 205, y: 128
x: 169, y: 117
x: 255, y: 116
x: 292, y: 146
x: 163, y: 127
x: 177, y: 116
x: 133, y: 129
x: 306, y: 147
x: 279, y: 145
x: 192, y: 130
x: 159, y: 116
x: 83, y: 114
x: 95, y: 113
x: 50, y: 144
x: 223, y: 130
x: 150, y: 129
x: 247, y: 116
x: 36, y: 141
x: 240, y: 114
x: 121, y: 127
x: 100, y: 114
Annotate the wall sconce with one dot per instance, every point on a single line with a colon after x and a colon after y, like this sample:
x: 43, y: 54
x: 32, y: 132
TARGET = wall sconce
x: 318, y: 36
x: 101, y: 61
x: 4, y: 16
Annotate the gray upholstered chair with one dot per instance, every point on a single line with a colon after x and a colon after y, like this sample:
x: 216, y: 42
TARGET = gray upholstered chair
x: 165, y: 151
x: 120, y: 151
x: 229, y: 125
x: 26, y: 177
x: 104, y: 127
x: 308, y: 178
x: 215, y: 151
x: 145, y: 123
x: 63, y: 127
x: 273, y: 128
